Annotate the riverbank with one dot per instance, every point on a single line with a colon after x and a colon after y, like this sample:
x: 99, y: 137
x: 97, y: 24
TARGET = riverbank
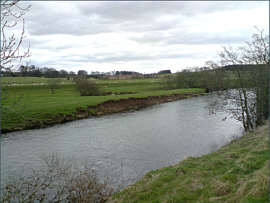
x: 239, y: 172
x: 109, y: 106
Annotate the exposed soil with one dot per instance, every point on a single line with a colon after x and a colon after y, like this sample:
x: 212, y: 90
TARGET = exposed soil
x: 107, y: 107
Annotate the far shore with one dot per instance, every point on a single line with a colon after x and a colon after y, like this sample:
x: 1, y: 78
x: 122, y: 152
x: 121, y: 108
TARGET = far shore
x: 104, y: 108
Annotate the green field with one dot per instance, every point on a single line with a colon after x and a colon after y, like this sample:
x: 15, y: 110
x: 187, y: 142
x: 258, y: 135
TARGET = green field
x: 239, y: 172
x: 41, y: 104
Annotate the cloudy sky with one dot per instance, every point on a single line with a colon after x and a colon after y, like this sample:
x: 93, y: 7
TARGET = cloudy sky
x: 137, y: 36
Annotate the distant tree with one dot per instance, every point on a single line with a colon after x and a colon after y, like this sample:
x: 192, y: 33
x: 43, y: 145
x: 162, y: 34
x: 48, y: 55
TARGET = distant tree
x: 168, y: 82
x: 51, y: 73
x: 43, y: 70
x: 63, y: 73
x: 31, y: 68
x: 215, y: 79
x: 125, y: 73
x: 32, y: 71
x: 188, y: 78
x: 206, y: 77
x: 55, y: 73
x: 38, y: 73
x: 54, y: 84
x: 23, y: 69
x: 164, y: 72
x: 71, y: 73
x: 82, y: 73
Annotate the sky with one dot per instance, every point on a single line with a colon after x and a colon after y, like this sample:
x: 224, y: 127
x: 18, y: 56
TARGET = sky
x: 141, y: 36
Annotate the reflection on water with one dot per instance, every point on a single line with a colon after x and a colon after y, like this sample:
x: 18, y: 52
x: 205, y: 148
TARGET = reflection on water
x: 125, y: 145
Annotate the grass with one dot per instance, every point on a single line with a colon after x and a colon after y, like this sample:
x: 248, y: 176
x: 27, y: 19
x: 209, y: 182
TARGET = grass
x: 41, y: 104
x: 239, y: 172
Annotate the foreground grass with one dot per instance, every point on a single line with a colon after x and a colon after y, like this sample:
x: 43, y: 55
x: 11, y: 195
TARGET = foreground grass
x: 239, y: 172
x: 41, y: 104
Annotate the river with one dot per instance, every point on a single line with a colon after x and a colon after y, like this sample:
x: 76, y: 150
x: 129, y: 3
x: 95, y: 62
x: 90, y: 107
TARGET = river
x: 125, y: 145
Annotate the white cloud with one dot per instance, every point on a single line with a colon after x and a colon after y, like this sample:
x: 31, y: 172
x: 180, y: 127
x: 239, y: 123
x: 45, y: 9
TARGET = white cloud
x: 140, y: 36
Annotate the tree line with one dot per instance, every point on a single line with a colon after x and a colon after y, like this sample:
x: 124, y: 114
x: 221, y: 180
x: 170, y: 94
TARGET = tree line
x: 33, y: 71
x: 211, y: 77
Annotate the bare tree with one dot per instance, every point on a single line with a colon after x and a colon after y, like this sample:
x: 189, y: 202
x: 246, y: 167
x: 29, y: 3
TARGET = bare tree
x: 251, y: 72
x: 10, y: 46
x: 54, y: 84
x: 10, y: 52
x: 60, y: 180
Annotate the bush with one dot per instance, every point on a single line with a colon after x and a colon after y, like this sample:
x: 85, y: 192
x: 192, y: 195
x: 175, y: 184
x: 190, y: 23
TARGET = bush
x: 86, y: 87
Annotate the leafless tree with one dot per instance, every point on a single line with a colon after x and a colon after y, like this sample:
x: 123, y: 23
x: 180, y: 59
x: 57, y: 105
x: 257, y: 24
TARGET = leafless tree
x: 54, y: 84
x: 10, y: 52
x: 59, y: 180
x: 10, y: 46
x: 251, y: 63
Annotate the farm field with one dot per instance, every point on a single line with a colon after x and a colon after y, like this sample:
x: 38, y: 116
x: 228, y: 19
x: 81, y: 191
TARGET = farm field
x: 39, y: 103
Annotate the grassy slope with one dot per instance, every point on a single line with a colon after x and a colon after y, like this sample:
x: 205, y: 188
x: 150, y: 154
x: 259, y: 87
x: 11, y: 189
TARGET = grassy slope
x: 41, y: 104
x: 239, y: 172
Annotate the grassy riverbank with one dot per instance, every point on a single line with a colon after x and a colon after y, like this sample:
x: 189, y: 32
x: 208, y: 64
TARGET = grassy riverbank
x: 42, y: 107
x: 239, y: 172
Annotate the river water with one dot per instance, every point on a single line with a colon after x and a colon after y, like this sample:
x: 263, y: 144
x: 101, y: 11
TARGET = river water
x: 125, y: 146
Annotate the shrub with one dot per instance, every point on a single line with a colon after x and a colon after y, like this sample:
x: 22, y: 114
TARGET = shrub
x: 86, y: 87
x: 62, y: 180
